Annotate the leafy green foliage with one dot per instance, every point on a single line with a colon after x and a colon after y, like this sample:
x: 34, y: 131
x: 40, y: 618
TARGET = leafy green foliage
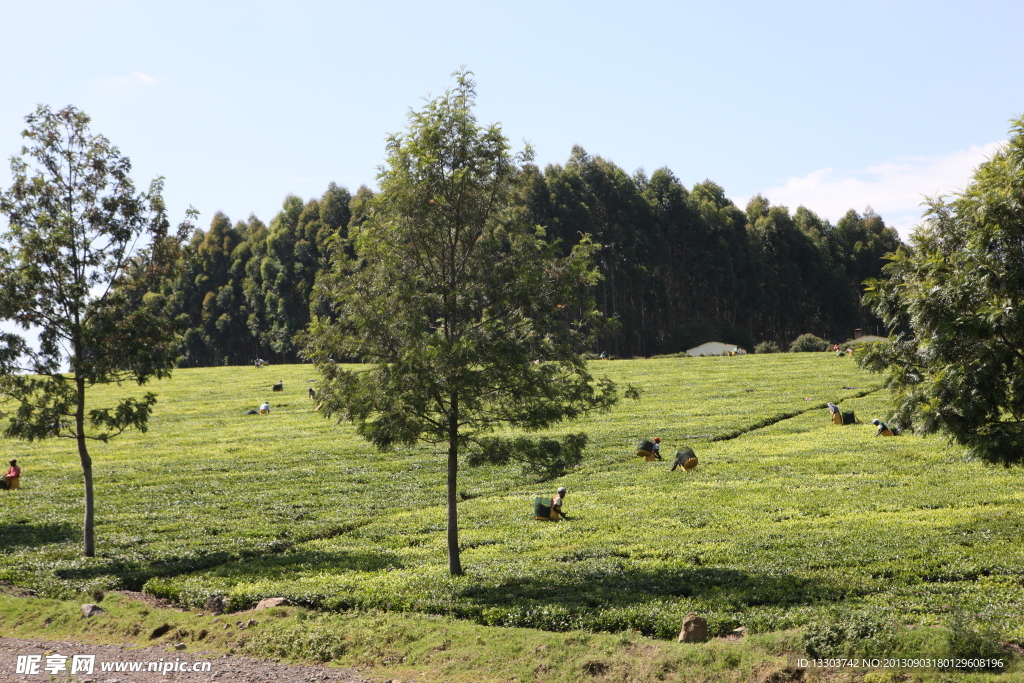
x: 767, y: 347
x: 846, y: 634
x: 543, y: 459
x: 808, y: 343
x: 386, y: 645
x: 245, y: 291
x: 207, y: 484
x: 772, y: 531
x: 471, y: 319
x: 71, y: 268
x: 679, y: 266
x: 959, y: 288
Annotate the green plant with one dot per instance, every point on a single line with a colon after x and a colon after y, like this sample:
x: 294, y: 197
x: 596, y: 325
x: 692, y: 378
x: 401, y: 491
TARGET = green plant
x: 954, y: 297
x: 847, y: 634
x: 779, y: 524
x: 71, y: 267
x: 974, y: 642
x: 542, y: 459
x: 767, y: 347
x: 808, y: 342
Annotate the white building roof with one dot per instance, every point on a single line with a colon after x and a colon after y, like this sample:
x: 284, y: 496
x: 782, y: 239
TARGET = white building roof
x: 712, y: 349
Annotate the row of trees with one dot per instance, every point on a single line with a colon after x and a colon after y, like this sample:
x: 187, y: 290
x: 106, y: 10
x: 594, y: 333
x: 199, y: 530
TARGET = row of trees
x: 244, y: 289
x: 680, y: 267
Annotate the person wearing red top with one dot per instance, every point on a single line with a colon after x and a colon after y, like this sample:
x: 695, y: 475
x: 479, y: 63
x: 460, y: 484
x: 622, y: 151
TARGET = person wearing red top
x: 12, y: 479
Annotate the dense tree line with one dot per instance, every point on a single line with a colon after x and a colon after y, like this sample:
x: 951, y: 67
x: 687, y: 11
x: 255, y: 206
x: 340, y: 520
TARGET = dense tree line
x: 685, y: 266
x: 680, y: 266
x: 245, y: 292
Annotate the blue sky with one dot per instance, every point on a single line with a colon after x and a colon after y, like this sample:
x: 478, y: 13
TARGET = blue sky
x: 833, y: 105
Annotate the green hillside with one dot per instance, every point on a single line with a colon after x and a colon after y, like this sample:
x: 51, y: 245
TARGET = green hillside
x: 788, y: 521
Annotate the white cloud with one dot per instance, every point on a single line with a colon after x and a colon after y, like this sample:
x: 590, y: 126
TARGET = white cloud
x: 132, y: 80
x: 894, y: 189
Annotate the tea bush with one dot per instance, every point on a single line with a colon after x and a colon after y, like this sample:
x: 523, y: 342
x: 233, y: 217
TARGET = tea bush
x: 846, y: 634
x: 786, y: 517
x: 771, y: 531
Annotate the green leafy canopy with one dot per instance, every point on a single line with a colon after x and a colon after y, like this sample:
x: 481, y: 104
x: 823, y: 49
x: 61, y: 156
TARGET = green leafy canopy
x: 959, y: 288
x: 72, y: 269
x: 453, y: 297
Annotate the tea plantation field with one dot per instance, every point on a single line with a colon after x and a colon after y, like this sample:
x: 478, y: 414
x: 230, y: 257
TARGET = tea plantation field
x: 788, y: 521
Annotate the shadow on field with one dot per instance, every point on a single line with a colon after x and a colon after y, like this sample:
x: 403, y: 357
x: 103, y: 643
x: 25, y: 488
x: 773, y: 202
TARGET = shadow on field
x: 23, y: 533
x: 610, y: 586
x: 296, y: 561
x: 133, y: 575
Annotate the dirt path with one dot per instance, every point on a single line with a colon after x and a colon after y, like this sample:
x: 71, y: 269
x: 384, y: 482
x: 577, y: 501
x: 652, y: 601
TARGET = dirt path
x: 209, y: 667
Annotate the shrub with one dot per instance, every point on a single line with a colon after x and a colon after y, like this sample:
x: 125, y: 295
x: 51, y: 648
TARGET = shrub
x: 975, y: 643
x: 808, y: 342
x: 847, y: 634
x: 767, y: 347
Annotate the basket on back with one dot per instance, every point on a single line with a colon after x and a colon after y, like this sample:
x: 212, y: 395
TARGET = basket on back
x: 645, y: 450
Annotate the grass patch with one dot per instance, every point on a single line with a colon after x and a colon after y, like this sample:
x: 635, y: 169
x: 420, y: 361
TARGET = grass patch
x: 381, y: 645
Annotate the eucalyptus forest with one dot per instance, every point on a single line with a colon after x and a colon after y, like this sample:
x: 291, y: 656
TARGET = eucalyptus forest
x: 680, y: 266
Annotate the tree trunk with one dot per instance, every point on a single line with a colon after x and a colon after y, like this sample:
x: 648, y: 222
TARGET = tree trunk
x: 88, y: 538
x: 454, y: 563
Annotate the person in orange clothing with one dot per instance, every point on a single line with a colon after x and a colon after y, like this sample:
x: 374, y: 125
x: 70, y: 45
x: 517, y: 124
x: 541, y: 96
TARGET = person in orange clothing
x: 550, y: 510
x: 12, y: 480
x: 883, y: 430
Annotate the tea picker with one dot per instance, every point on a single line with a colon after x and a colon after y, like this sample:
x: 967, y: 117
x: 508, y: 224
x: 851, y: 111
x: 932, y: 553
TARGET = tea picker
x: 649, y: 450
x: 883, y: 430
x: 685, y: 458
x: 550, y: 509
x: 842, y: 418
x: 11, y: 480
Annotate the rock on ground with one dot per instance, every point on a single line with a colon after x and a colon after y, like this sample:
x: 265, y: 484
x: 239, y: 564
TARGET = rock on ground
x: 695, y: 629
x: 91, y: 610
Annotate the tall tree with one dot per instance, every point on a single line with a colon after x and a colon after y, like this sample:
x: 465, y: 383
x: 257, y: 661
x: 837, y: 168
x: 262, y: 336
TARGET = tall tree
x: 71, y: 267
x: 959, y: 287
x: 457, y: 301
